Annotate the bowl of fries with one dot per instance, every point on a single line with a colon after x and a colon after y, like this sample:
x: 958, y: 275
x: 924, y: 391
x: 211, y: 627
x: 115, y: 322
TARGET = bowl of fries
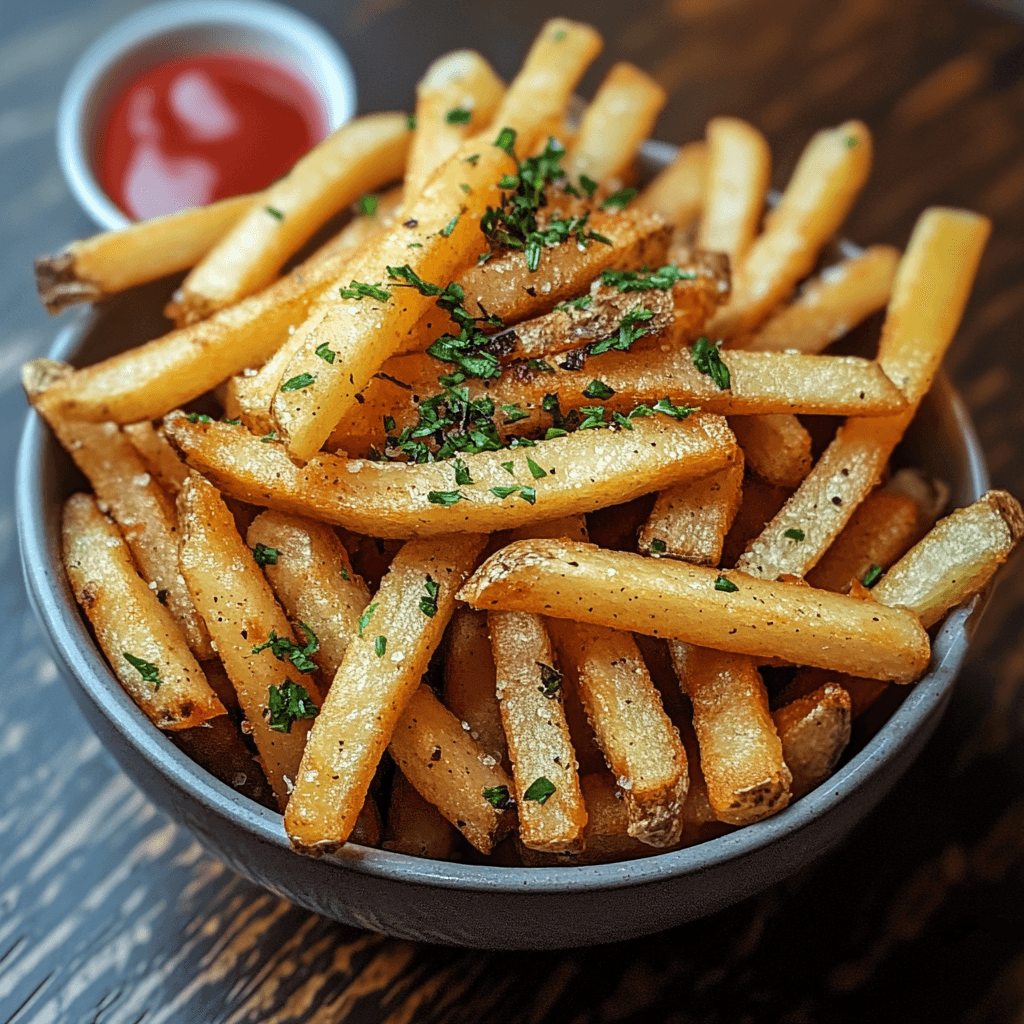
x: 453, y: 584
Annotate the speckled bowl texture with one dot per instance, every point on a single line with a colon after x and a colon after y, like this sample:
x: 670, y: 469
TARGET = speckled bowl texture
x: 463, y: 904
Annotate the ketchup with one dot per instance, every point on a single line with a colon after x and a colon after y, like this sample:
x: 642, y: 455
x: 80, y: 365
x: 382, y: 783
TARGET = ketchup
x: 193, y: 130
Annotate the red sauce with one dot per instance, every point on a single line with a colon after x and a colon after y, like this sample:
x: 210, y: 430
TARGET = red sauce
x: 193, y: 130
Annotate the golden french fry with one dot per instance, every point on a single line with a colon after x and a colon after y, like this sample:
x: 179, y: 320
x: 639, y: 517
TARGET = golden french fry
x: 363, y: 225
x: 108, y: 263
x: 240, y: 611
x: 416, y: 827
x: 760, y: 503
x: 381, y: 669
x: 135, y: 631
x: 761, y: 383
x: 738, y: 175
x: 691, y: 520
x: 361, y: 332
x: 313, y: 579
x: 830, y: 305
x: 547, y: 789
x: 162, y: 461
x: 828, y: 178
x: 617, y: 120
x: 360, y: 156
x: 956, y: 559
x: 394, y: 499
x: 141, y: 508
x: 458, y: 94
x: 932, y: 284
x: 452, y: 771
x: 740, y: 751
x: 777, y: 448
x: 640, y: 743
x: 469, y: 681
x: 882, y: 530
x: 814, y: 731
x: 677, y: 193
x: 728, y: 611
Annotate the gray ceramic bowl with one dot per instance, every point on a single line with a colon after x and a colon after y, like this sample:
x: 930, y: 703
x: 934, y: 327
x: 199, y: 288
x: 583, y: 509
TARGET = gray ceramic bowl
x: 472, y: 905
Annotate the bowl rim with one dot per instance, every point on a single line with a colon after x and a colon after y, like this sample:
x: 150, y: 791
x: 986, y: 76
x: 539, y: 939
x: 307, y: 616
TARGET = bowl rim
x: 332, y: 70
x: 55, y: 605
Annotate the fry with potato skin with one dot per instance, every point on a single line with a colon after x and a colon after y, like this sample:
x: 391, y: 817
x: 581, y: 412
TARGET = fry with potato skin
x: 127, y: 616
x: 814, y: 731
x: 363, y: 332
x: 678, y: 192
x: 828, y: 178
x: 392, y: 499
x: 240, y: 611
x: 381, y: 670
x: 552, y: 814
x: 675, y: 599
x: 362, y: 155
x: 451, y: 770
x: 740, y: 752
x: 105, y: 264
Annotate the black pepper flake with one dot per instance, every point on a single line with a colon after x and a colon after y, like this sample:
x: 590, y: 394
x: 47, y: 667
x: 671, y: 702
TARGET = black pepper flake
x: 837, y: 501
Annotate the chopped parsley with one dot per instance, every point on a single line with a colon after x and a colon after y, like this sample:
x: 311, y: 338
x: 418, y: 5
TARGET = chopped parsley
x: 540, y: 790
x: 645, y: 280
x: 583, y: 302
x: 677, y: 412
x: 380, y: 645
x: 389, y: 423
x: 428, y: 604
x: 598, y: 389
x: 539, y: 366
x: 326, y: 354
x: 264, y: 555
x: 232, y: 423
x: 560, y: 35
x: 198, y: 417
x: 588, y: 185
x: 794, y: 534
x: 267, y: 438
x: 410, y: 122
x: 288, y: 703
x: 708, y: 360
x: 620, y: 200
x: 513, y: 413
x: 658, y: 546
x: 725, y: 585
x: 535, y: 471
x: 498, y: 797
x: 506, y: 140
x: 505, y: 492
x: 345, y: 575
x: 509, y: 468
x: 364, y: 619
x: 851, y: 142
x: 445, y: 498
x: 361, y: 290
x: 628, y: 332
x: 462, y: 477
x: 450, y: 226
x: 303, y: 380
x: 528, y: 494
x: 872, y: 576
x: 472, y: 159
x: 281, y: 647
x: 465, y: 188
x: 149, y: 672
x: 274, y: 212
x: 368, y: 205
x: 550, y: 680
x: 458, y: 116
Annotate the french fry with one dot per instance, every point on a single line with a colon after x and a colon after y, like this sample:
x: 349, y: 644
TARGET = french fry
x: 932, y: 284
x: 814, y: 731
x: 363, y: 225
x: 140, y: 507
x: 662, y: 597
x: 369, y: 827
x: 828, y: 178
x: 452, y: 771
x: 162, y: 461
x: 760, y: 504
x: 240, y: 611
x: 136, y: 632
x: 362, y: 332
x: 552, y: 814
x: 458, y: 94
x: 381, y: 669
x: 761, y: 383
x: 640, y: 744
x: 862, y: 692
x: 830, y: 304
x: 738, y: 174
x: 956, y: 559
x: 691, y: 520
x: 777, y: 448
x: 617, y: 120
x: 740, y: 751
x: 469, y: 681
x: 108, y: 263
x: 360, y: 156
x: 393, y: 499
x: 677, y: 193
x: 881, y: 531
x: 313, y: 578
x: 416, y: 827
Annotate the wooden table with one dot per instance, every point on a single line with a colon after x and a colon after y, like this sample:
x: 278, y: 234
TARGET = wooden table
x: 111, y: 913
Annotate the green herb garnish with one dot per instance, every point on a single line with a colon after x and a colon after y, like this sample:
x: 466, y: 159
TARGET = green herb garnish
x: 645, y: 280
x: 288, y: 703
x: 462, y: 477
x: 540, y: 790
x: 598, y: 389
x: 380, y: 645
x: 303, y: 380
x: 450, y: 226
x: 458, y: 116
x: 368, y: 205
x: 708, y: 359
x: 264, y: 555
x: 361, y: 290
x: 550, y: 680
x: 657, y: 546
x: 445, y: 498
x: 364, y: 619
x: 149, y: 672
x: 428, y: 604
x: 872, y: 576
x: 498, y: 796
x: 281, y: 647
x: 198, y: 417
x: 620, y: 200
x: 535, y: 471
x: 274, y: 212
x: 725, y: 585
x: 794, y: 534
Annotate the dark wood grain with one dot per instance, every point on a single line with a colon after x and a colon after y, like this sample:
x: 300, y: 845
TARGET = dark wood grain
x: 109, y: 913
